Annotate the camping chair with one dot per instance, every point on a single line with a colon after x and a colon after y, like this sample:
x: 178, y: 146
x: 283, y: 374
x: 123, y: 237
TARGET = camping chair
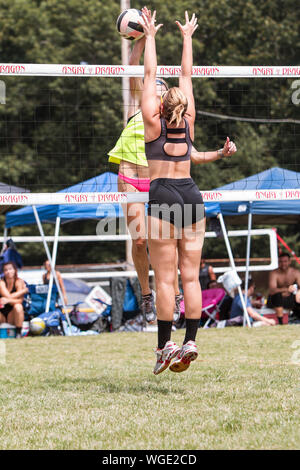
x: 211, y: 304
x: 34, y: 302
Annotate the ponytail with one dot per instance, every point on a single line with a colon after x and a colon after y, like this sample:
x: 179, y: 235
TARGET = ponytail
x: 177, y: 114
x: 174, y: 105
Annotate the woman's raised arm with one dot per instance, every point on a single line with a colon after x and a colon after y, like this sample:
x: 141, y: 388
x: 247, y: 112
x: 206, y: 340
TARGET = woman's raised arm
x: 185, y: 79
x: 136, y: 83
x: 149, y: 101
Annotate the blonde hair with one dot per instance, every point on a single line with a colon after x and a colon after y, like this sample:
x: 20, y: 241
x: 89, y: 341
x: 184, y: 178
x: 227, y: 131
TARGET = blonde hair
x: 174, y: 105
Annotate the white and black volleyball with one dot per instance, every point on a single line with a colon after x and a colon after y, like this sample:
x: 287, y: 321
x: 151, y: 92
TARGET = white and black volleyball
x: 128, y: 26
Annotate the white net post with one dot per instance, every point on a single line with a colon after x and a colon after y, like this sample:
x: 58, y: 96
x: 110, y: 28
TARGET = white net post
x: 125, y: 4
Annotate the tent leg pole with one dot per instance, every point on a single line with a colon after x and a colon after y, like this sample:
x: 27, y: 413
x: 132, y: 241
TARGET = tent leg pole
x: 248, y: 255
x: 36, y: 215
x: 232, y: 264
x: 54, y: 253
x: 129, y: 259
x: 5, y: 233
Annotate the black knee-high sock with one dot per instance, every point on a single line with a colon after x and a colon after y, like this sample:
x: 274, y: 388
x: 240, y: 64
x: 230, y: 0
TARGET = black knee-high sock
x: 164, y: 332
x: 192, y: 326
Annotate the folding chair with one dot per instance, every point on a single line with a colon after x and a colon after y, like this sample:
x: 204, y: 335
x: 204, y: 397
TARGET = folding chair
x: 34, y: 302
x: 211, y: 303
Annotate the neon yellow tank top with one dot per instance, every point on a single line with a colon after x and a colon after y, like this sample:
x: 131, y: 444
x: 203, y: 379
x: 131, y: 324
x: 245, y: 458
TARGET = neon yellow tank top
x: 131, y: 143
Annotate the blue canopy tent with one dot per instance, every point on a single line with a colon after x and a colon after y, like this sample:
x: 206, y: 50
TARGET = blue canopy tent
x: 262, y: 212
x: 66, y: 213
x: 63, y: 213
x: 107, y: 182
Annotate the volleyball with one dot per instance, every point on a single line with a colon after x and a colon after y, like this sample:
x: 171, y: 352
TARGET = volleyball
x: 37, y: 326
x: 128, y: 24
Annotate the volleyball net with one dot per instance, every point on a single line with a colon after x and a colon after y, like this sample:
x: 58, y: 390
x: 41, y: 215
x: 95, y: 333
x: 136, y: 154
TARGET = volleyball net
x: 58, y: 123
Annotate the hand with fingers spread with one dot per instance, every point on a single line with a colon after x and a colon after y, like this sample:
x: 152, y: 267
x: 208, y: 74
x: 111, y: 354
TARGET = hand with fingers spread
x: 229, y: 148
x: 190, y: 25
x: 148, y: 22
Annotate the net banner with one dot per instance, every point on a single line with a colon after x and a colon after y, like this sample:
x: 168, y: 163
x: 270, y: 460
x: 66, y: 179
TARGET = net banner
x: 28, y: 199
x: 69, y: 70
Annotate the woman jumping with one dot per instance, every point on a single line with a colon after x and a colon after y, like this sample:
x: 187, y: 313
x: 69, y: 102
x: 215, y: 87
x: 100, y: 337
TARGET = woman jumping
x: 133, y: 176
x: 176, y: 215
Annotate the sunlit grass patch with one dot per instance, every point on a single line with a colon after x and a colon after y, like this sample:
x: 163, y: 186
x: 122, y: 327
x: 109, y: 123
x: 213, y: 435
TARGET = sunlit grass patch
x: 99, y: 392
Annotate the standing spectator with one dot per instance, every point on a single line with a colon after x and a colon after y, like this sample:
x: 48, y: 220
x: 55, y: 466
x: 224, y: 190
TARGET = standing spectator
x: 281, y: 288
x: 12, y: 290
x: 206, y: 274
x: 46, y: 279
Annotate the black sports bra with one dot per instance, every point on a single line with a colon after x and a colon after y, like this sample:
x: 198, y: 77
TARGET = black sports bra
x: 14, y: 286
x: 155, y: 149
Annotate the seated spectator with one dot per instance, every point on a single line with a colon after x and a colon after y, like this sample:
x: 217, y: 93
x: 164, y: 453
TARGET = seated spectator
x: 281, y: 288
x: 206, y: 274
x: 258, y: 302
x: 212, y: 284
x: 46, y: 279
x: 238, y: 311
x: 12, y: 290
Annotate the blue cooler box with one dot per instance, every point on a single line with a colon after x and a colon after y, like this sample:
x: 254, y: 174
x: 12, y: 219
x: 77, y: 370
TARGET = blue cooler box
x: 7, y: 331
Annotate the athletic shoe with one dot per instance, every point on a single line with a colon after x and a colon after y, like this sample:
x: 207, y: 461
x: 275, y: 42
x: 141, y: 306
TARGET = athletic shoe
x: 164, y: 356
x: 148, y: 307
x: 177, y: 311
x: 187, y: 353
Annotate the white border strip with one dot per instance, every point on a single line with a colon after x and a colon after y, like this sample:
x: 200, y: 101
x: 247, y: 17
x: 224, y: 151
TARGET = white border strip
x: 132, y: 273
x: 29, y: 199
x: 71, y: 70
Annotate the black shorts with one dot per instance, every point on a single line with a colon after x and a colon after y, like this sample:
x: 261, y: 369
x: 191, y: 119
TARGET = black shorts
x: 177, y: 201
x: 289, y: 302
x: 6, y: 310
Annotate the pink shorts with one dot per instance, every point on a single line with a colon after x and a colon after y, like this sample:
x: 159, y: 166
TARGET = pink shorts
x: 141, y: 184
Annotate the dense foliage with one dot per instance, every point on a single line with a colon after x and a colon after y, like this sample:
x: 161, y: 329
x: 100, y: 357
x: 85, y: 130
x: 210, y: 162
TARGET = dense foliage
x: 57, y: 131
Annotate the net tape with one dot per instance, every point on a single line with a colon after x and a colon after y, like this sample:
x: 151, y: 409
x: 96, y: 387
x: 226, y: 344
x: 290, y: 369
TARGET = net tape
x: 69, y: 70
x: 28, y: 199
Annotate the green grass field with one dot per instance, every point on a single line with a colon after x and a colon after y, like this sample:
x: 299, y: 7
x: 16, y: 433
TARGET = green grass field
x: 99, y: 392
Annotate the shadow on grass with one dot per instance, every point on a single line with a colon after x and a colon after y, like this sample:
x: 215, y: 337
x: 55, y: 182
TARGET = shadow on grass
x: 104, y: 384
